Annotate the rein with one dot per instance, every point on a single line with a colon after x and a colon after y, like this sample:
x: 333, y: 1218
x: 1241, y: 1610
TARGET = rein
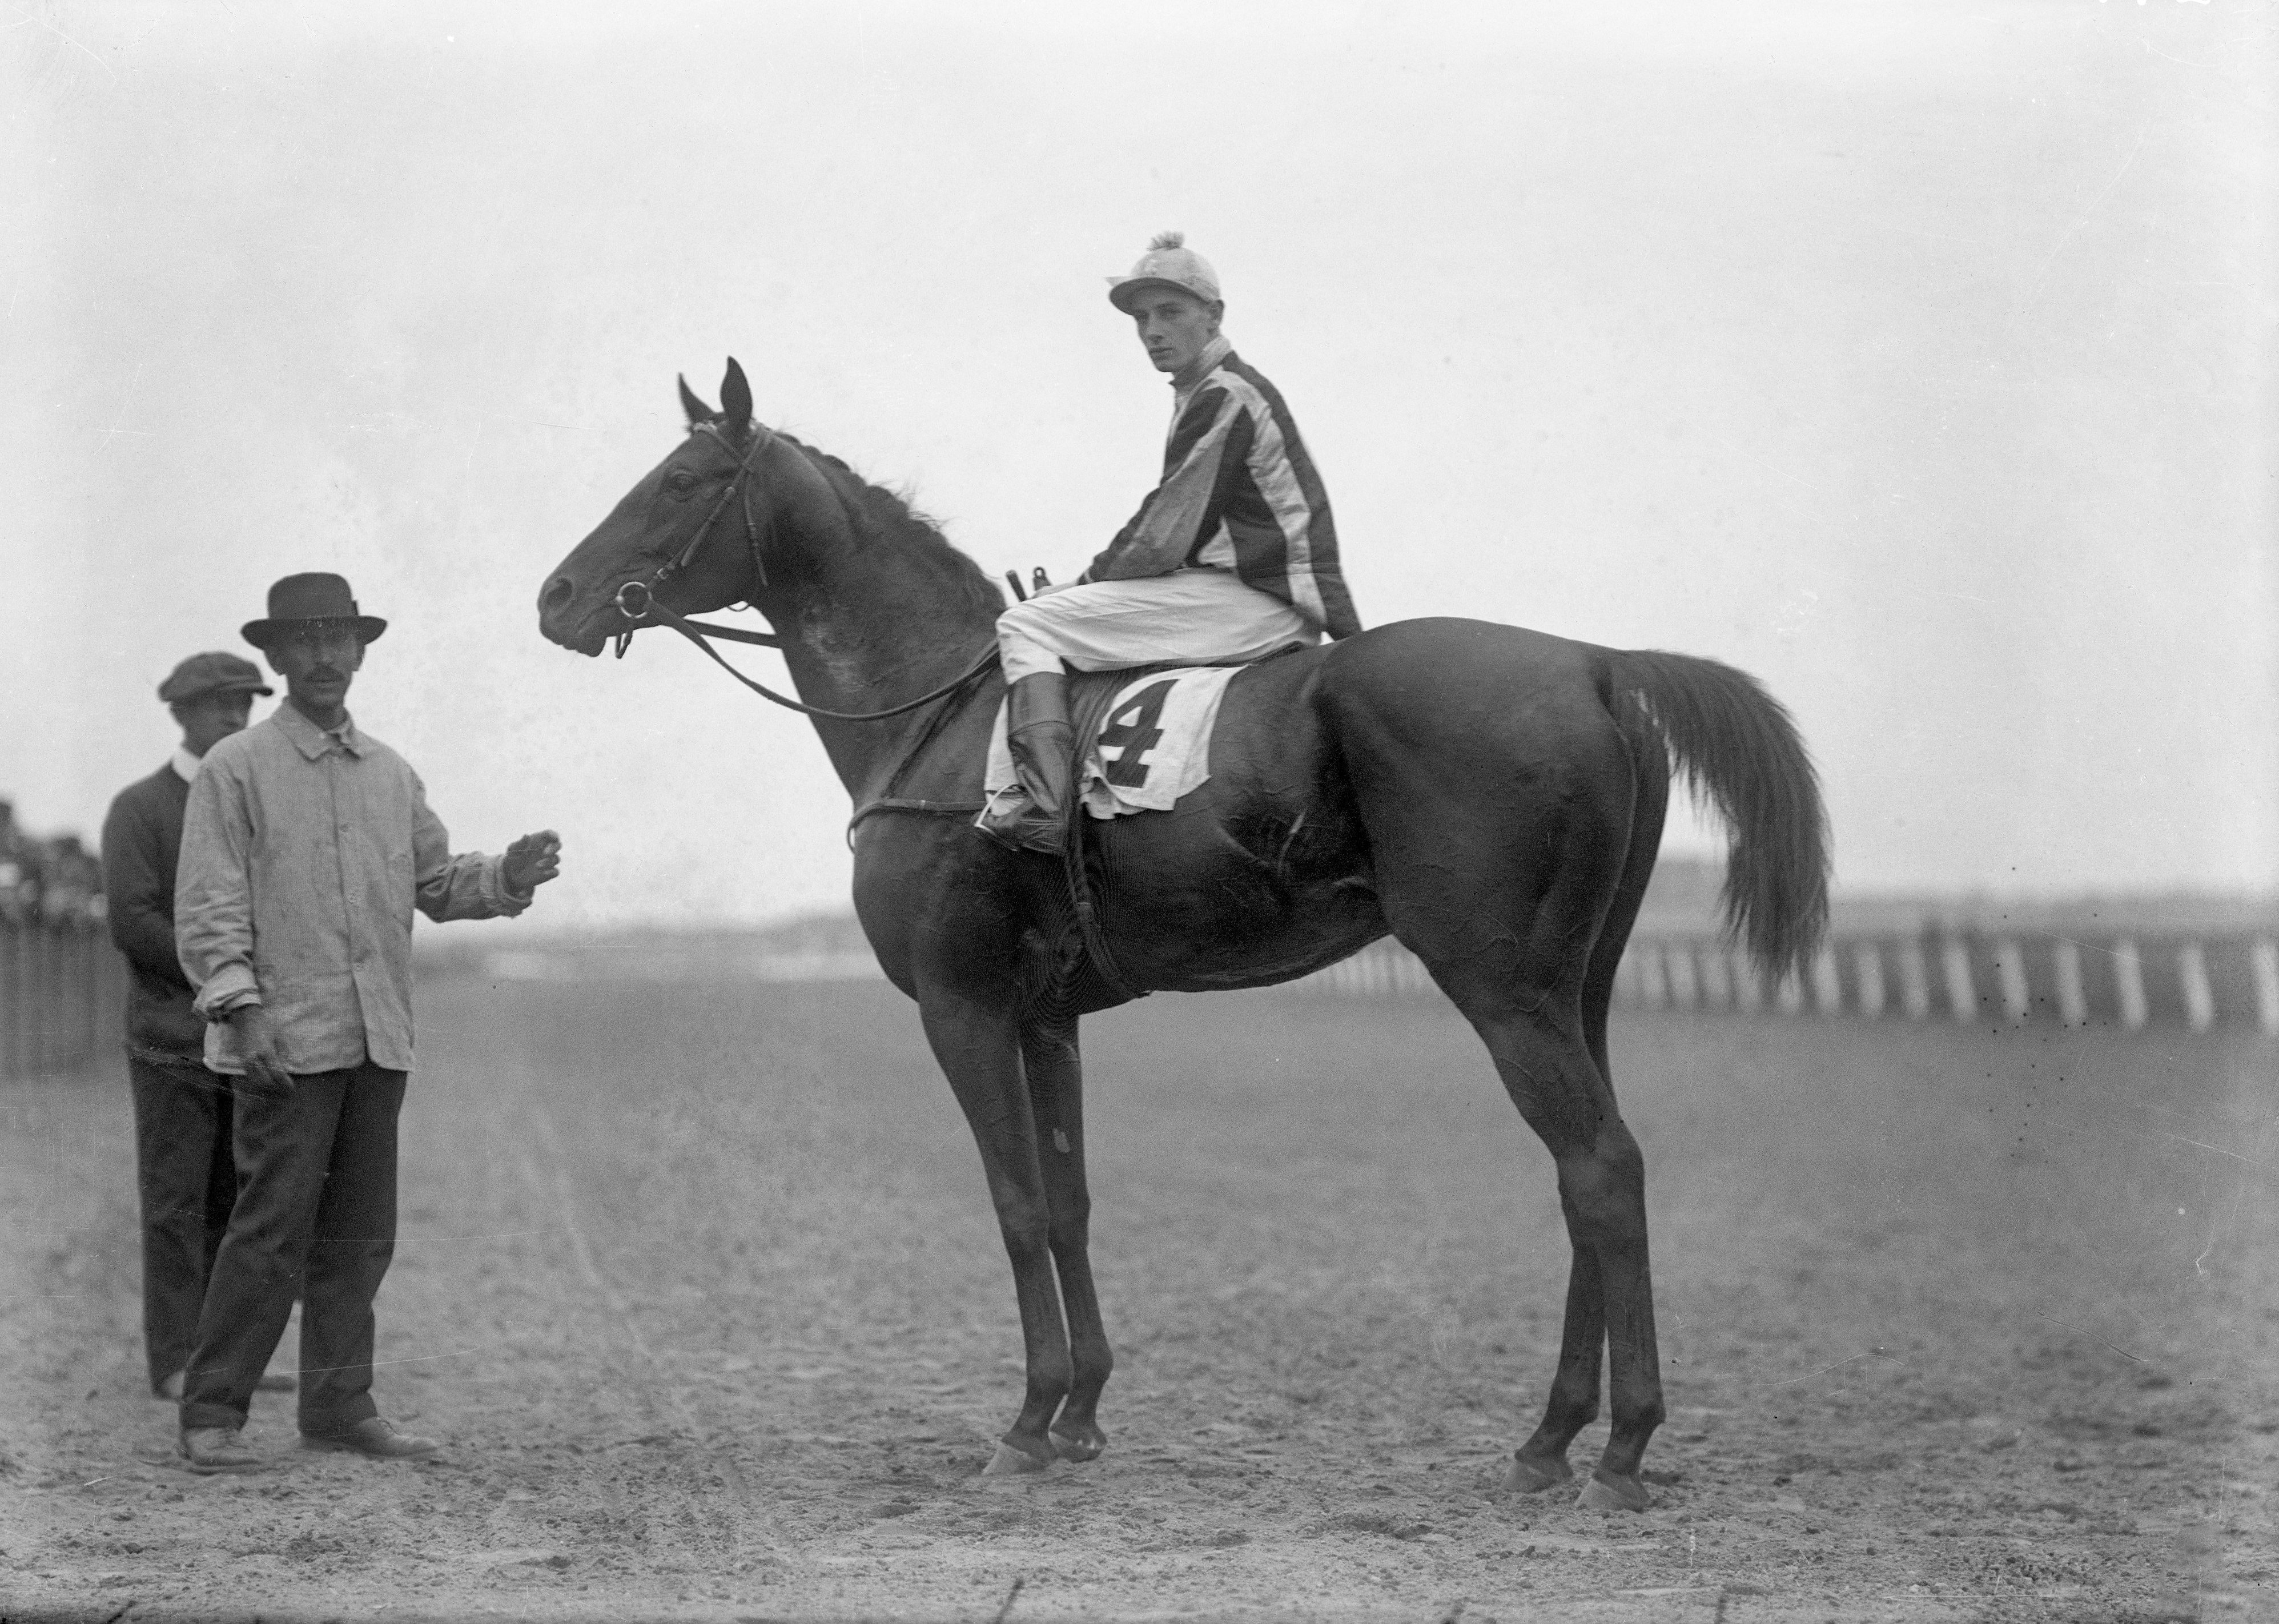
x: 636, y: 600
x: 695, y: 634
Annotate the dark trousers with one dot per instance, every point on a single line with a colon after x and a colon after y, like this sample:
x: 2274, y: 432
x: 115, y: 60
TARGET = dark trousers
x: 187, y: 1177
x: 315, y: 1217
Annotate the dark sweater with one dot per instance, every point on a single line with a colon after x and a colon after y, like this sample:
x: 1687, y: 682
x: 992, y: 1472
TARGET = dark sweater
x: 142, y: 837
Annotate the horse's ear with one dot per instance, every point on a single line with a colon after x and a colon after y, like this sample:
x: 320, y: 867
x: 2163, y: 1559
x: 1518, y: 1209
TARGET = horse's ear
x: 697, y: 410
x: 736, y: 399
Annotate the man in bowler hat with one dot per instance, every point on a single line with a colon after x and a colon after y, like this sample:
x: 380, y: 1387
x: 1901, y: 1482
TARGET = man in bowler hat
x: 306, y: 845
x: 184, y: 1170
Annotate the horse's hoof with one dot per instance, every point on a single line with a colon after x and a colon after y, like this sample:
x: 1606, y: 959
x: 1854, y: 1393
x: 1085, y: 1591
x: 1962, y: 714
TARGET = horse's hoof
x: 1010, y: 1462
x: 1534, y: 1476
x: 1603, y: 1493
x: 1079, y: 1447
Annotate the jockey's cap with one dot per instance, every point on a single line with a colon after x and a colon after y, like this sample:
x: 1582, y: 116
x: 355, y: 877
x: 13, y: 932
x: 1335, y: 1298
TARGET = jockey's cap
x: 1168, y: 263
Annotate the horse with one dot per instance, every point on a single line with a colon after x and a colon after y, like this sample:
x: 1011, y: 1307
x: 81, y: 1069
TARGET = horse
x: 1490, y: 796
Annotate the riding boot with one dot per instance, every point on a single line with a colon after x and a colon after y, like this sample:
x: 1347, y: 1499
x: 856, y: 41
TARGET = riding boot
x: 1037, y: 732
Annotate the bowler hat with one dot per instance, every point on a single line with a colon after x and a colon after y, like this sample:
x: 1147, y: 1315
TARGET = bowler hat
x: 315, y: 597
x: 212, y: 673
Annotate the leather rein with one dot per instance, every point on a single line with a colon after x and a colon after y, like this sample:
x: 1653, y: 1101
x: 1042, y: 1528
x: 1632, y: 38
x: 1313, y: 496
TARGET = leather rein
x: 636, y: 600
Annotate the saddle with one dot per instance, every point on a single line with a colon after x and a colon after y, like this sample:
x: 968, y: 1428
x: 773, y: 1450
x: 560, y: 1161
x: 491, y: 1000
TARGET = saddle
x: 1109, y: 711
x: 1139, y: 738
x: 1094, y: 982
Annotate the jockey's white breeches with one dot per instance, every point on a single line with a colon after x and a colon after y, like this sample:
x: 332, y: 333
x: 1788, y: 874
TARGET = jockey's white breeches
x: 1191, y: 617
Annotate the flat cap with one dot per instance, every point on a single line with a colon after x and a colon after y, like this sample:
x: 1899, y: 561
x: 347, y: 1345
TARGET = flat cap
x: 212, y: 673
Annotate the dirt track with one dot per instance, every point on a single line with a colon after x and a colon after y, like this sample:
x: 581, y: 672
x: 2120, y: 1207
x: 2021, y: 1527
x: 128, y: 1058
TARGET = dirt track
x: 703, y: 1287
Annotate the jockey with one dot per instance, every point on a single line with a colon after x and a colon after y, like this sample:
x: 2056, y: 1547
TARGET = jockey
x: 1232, y: 557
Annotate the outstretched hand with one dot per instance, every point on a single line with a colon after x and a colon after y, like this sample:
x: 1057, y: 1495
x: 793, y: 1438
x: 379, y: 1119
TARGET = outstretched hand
x: 532, y: 860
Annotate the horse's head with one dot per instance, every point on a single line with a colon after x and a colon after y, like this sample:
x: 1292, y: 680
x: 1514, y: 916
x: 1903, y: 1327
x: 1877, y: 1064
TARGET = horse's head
x: 691, y: 533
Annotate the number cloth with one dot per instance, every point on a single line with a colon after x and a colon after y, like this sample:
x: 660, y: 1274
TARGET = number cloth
x: 304, y: 854
x: 1153, y: 747
x: 1240, y: 492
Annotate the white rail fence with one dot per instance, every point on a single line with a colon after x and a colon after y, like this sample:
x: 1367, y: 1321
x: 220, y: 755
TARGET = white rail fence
x: 1964, y: 977
x: 63, y: 993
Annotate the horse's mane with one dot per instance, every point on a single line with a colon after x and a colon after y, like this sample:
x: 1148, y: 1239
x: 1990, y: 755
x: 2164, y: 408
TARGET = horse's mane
x: 884, y: 518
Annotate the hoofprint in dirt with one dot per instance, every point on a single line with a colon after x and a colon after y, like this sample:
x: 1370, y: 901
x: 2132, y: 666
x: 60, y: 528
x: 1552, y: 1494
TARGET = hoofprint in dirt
x: 702, y: 1285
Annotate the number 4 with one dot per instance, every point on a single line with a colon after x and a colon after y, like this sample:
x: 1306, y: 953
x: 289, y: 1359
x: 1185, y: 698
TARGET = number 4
x: 1132, y: 731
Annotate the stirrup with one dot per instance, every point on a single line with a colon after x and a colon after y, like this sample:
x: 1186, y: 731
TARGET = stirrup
x: 1010, y: 818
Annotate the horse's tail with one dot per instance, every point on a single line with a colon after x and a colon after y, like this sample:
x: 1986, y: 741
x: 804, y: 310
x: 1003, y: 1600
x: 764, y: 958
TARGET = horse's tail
x: 1740, y: 753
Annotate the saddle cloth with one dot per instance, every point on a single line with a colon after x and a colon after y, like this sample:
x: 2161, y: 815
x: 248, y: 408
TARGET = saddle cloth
x: 1152, y: 747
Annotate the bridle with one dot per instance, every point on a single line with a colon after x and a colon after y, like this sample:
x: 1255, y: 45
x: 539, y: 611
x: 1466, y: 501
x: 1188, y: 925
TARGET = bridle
x: 636, y: 600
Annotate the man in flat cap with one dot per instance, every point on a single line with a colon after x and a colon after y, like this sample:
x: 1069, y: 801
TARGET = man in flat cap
x: 1233, y: 554
x: 306, y: 845
x: 185, y: 1172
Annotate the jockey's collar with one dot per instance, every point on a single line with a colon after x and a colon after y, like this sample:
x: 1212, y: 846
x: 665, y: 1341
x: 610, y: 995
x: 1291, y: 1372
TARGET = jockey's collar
x: 1184, y: 381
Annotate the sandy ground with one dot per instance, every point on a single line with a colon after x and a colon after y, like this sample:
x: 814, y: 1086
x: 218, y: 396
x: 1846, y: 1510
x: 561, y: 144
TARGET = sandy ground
x: 701, y: 1286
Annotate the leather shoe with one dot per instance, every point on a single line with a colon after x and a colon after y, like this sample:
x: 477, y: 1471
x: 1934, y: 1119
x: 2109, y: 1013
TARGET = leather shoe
x: 375, y: 1437
x: 217, y: 1449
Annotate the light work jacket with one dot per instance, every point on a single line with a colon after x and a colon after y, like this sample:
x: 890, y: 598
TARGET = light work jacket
x: 304, y: 854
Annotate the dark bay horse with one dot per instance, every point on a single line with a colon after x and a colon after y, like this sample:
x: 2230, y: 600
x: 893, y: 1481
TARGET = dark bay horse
x: 1492, y: 797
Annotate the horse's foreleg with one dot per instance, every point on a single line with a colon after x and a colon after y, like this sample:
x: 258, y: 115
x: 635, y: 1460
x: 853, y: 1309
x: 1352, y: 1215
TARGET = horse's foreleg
x: 980, y: 1050
x: 1048, y: 1050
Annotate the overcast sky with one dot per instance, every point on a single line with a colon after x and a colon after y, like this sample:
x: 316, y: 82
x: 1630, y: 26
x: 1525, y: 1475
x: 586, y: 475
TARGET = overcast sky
x: 1917, y: 357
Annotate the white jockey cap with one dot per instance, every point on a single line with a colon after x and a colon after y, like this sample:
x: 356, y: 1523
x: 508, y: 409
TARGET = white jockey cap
x: 1168, y: 263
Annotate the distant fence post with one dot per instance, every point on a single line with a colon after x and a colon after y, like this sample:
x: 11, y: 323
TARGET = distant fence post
x: 1748, y: 990
x: 2192, y: 978
x: 2128, y: 980
x: 1915, y: 980
x: 2065, y: 962
x: 2264, y: 959
x: 11, y: 998
x: 1961, y: 995
x: 1827, y: 983
x: 1868, y: 958
x: 1678, y: 965
x: 2010, y: 970
x: 1654, y: 990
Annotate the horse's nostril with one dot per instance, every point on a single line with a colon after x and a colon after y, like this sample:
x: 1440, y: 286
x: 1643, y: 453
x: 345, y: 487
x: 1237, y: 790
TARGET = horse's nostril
x: 556, y: 597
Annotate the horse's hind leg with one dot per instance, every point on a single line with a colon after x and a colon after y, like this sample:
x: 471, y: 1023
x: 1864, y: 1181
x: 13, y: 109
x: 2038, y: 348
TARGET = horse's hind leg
x: 1573, y: 1405
x: 1541, y: 1462
x: 1506, y: 923
x: 1549, y: 1072
x: 1056, y: 1075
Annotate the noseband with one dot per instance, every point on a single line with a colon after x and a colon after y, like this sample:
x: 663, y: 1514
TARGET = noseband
x: 636, y: 600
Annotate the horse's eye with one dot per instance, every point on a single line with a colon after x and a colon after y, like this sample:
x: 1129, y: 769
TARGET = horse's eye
x: 682, y: 480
